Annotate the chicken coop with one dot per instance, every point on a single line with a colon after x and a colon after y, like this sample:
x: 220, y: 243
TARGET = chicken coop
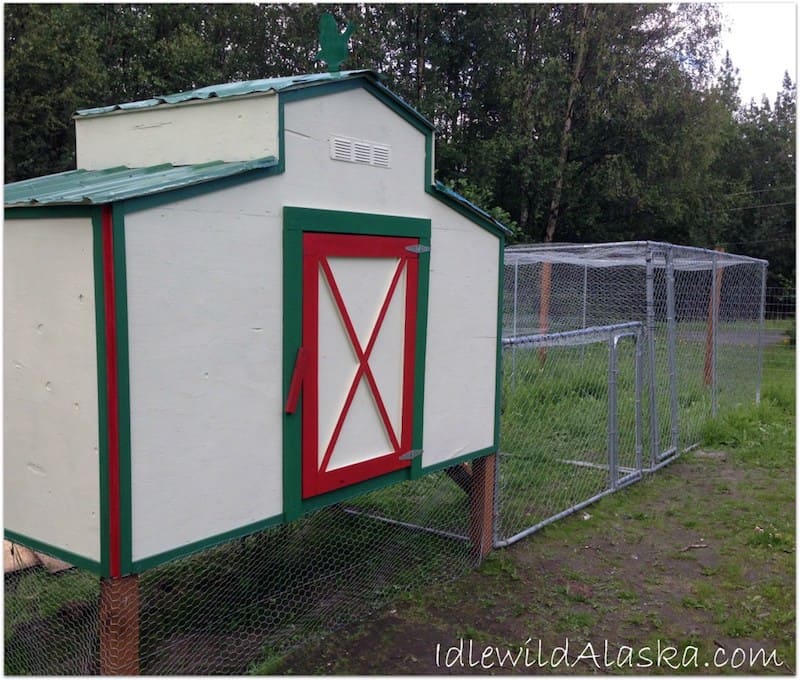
x: 237, y: 309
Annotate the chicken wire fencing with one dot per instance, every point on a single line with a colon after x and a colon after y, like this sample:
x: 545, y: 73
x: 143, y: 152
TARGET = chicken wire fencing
x: 613, y: 358
x: 235, y: 608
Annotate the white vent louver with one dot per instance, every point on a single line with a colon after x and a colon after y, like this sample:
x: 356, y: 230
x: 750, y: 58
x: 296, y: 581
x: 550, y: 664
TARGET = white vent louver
x: 360, y: 151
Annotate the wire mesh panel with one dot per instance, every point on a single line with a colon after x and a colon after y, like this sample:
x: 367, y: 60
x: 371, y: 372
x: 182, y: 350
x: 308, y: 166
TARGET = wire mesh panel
x: 694, y: 338
x: 232, y: 608
x: 51, y: 622
x: 740, y: 335
x: 571, y: 424
x: 702, y: 310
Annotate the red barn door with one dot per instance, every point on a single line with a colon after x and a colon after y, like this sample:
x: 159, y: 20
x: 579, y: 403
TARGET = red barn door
x: 359, y: 328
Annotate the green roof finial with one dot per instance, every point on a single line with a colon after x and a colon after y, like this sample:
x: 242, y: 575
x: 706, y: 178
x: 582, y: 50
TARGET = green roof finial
x: 333, y: 43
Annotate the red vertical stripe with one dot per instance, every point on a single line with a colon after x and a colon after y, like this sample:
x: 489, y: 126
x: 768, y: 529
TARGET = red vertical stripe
x: 409, y: 355
x: 112, y: 388
x: 310, y: 343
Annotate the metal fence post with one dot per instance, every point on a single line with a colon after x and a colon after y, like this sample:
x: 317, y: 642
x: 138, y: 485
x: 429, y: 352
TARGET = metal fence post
x: 651, y: 357
x: 613, y: 439
x: 672, y: 343
x: 761, y: 313
x: 638, y: 376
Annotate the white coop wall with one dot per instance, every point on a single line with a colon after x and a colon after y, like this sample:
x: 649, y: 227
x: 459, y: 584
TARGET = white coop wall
x: 206, y: 395
x: 237, y: 129
x: 205, y: 337
x: 461, y: 353
x: 51, y: 435
x: 314, y: 179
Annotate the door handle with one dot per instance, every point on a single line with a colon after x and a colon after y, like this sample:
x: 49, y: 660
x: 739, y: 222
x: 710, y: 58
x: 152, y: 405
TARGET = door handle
x: 297, y: 379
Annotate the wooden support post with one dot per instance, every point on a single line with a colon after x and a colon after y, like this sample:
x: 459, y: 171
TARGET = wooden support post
x: 481, y: 505
x: 713, y: 310
x: 119, y: 626
x: 461, y: 475
x: 544, y: 305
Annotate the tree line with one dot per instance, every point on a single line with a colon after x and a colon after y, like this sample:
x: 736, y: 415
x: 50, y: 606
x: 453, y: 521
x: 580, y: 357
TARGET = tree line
x: 593, y: 122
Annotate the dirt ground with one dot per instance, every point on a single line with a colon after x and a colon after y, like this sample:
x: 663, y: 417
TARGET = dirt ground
x: 669, y: 565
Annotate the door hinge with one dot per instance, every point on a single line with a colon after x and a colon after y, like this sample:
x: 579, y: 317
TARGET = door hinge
x: 418, y: 248
x: 408, y: 455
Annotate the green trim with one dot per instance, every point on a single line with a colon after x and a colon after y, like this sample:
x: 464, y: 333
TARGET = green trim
x: 185, y: 193
x: 44, y: 212
x: 339, y: 495
x: 70, y: 557
x: 102, y: 387
x: 464, y: 211
x: 281, y: 167
x: 368, y: 224
x: 498, y: 387
x: 123, y: 388
x: 405, y: 111
x: 146, y: 563
x: 430, y: 170
x: 423, y: 286
x: 465, y: 458
x: 295, y: 222
x: 292, y: 339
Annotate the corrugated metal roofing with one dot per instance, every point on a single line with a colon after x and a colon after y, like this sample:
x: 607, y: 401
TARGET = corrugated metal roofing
x: 236, y: 89
x: 246, y: 87
x: 95, y: 187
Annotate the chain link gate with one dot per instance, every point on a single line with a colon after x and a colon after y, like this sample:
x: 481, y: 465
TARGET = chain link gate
x: 572, y: 424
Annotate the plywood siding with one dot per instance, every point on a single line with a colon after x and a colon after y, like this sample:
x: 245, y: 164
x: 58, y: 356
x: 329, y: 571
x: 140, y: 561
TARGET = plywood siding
x: 314, y: 179
x: 205, y: 371
x: 51, y: 440
x: 460, y: 366
x: 238, y: 129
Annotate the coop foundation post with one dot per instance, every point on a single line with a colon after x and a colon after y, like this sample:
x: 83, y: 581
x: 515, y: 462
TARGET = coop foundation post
x: 119, y: 626
x: 481, y: 505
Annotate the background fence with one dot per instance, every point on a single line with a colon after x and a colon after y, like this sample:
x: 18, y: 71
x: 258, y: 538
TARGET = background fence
x: 702, y: 312
x: 609, y: 369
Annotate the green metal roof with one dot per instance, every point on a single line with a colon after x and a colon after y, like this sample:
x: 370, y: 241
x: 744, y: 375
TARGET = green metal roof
x: 95, y: 187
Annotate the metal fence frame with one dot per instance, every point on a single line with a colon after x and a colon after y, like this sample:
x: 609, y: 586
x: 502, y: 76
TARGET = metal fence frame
x: 654, y: 258
x: 611, y: 334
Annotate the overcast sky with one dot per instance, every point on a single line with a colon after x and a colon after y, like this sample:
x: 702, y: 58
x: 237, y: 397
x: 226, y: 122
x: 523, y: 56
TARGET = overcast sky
x: 763, y: 44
